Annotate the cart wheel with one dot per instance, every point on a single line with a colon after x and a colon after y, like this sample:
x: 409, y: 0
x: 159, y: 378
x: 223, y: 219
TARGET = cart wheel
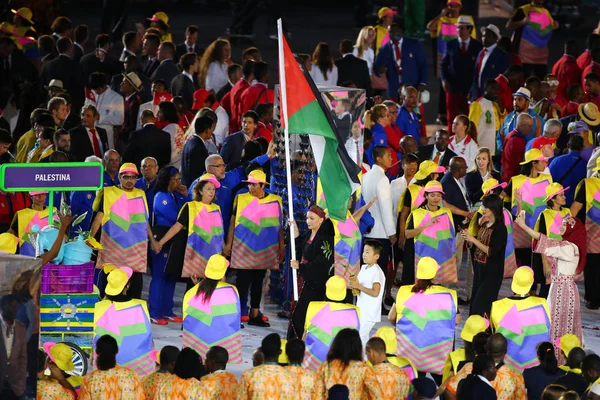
x: 80, y: 360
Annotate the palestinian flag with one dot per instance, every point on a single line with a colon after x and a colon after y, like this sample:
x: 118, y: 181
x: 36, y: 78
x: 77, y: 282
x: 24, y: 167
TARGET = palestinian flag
x: 308, y: 114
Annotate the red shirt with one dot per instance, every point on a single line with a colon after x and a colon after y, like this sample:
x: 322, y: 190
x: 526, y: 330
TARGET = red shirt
x: 513, y: 153
x: 254, y: 95
x: 264, y: 130
x: 236, y: 91
x: 568, y: 73
x: 505, y: 93
x: 592, y: 67
x: 584, y: 59
x: 570, y: 109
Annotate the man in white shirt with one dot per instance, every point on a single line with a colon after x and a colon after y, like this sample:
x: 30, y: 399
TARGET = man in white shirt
x: 110, y: 105
x: 410, y: 165
x: 354, y: 145
x: 377, y: 185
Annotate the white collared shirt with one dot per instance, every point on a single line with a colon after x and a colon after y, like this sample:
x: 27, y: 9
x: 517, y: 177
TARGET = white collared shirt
x: 185, y: 73
x: 189, y: 47
x: 376, y: 184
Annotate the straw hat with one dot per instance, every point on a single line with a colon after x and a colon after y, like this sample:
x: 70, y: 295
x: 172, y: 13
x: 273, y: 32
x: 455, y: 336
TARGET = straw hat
x: 434, y: 186
x: 24, y: 13
x: 117, y: 279
x: 216, y: 267
x: 60, y: 354
x: 475, y: 324
x: 427, y: 268
x: 388, y: 335
x: 8, y: 243
x: 567, y: 343
x: 533, y: 155
x: 489, y: 185
x: 427, y: 168
x: 160, y: 16
x: 493, y: 28
x: 56, y: 85
x: 554, y: 189
x: 464, y: 20
x: 256, y: 176
x: 589, y: 113
x: 523, y: 92
x: 134, y: 80
x: 212, y: 179
x: 128, y: 168
x: 335, y: 288
x: 522, y: 280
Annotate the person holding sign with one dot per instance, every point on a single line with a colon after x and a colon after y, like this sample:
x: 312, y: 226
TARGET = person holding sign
x: 26, y: 219
x: 122, y: 218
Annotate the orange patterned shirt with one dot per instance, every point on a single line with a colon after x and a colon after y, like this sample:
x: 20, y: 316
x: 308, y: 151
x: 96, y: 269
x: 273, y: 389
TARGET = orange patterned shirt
x: 179, y: 389
x: 307, y: 380
x: 152, y: 381
x: 49, y: 389
x: 393, y: 381
x: 118, y: 383
x: 357, y: 376
x: 219, y: 385
x: 268, y: 382
x: 509, y: 384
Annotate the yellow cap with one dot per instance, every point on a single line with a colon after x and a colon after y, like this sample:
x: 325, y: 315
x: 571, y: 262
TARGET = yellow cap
x: 489, y: 185
x: 283, y: 358
x: 522, y: 280
x: 427, y: 268
x: 24, y: 13
x: 567, y: 343
x: 335, y: 288
x: 216, y: 267
x: 434, y: 186
x: 7, y: 27
x: 210, y: 178
x: 117, y: 279
x: 533, y: 155
x: 128, y: 168
x: 60, y: 354
x: 427, y: 168
x: 8, y: 243
x: 474, y: 325
x: 257, y: 176
x: 554, y: 189
x: 160, y: 16
x: 385, y: 11
x: 388, y: 335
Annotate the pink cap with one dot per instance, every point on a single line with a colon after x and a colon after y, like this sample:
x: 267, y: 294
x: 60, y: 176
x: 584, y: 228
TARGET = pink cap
x: 36, y: 193
x: 212, y: 179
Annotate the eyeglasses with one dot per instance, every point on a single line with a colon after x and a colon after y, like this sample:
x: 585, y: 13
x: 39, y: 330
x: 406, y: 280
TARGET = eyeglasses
x: 128, y: 178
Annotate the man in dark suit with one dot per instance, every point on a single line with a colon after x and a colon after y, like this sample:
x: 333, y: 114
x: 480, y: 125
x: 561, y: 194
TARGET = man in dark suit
x: 13, y: 369
x: 234, y: 72
x: 231, y: 152
x: 130, y: 87
x: 148, y: 142
x: 491, y: 61
x: 80, y: 34
x: 167, y: 69
x: 183, y: 85
x: 99, y: 60
x: 66, y: 70
x: 457, y: 69
x: 88, y: 139
x: 351, y: 68
x: 454, y: 190
x: 149, y: 60
x: 195, y: 152
x: 439, y: 151
x: 132, y: 64
x: 401, y: 60
x: 190, y: 44
x: 130, y: 48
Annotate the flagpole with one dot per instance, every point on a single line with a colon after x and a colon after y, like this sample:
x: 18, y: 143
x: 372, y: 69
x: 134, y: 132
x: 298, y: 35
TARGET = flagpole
x: 288, y: 168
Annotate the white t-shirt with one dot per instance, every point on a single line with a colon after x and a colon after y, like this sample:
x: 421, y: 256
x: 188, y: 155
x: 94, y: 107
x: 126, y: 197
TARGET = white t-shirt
x: 370, y: 307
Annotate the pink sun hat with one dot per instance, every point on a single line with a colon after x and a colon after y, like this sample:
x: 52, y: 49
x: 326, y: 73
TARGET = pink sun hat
x: 210, y: 178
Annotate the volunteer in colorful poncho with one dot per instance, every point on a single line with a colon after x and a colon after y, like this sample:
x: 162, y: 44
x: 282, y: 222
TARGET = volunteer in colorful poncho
x: 125, y: 319
x: 474, y: 325
x: 587, y: 208
x: 255, y: 240
x: 523, y: 320
x: 430, y: 233
x: 565, y: 258
x: 324, y: 319
x: 425, y: 316
x: 24, y: 221
x: 211, y: 313
x: 203, y: 224
x: 57, y: 384
x: 314, y: 260
x: 388, y: 334
x: 532, y: 185
x: 170, y: 197
x: 492, y: 186
x: 122, y: 217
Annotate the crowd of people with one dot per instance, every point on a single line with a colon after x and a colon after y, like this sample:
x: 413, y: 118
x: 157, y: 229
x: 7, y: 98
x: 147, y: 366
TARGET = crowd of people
x: 192, y: 150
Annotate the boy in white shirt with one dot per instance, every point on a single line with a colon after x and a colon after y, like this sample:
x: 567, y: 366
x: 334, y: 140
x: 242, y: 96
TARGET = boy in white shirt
x: 371, y: 283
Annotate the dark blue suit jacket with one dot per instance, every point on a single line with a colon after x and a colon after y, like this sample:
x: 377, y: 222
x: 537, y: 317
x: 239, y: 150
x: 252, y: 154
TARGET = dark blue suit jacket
x: 231, y: 152
x: 414, y: 65
x: 458, y: 70
x: 454, y: 196
x: 496, y: 64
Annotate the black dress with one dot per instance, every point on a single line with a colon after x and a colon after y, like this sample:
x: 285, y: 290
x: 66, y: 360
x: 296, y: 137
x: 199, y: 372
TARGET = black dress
x: 316, y: 267
x: 488, y: 274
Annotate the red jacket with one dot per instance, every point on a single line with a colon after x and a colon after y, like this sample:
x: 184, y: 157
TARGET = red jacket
x: 568, y: 73
x: 513, y: 153
x: 258, y: 93
x: 10, y: 203
x: 226, y: 103
x: 236, y: 92
x: 570, y: 109
x: 394, y: 134
x: 264, y: 130
x: 584, y: 59
x: 505, y: 93
x: 592, y: 67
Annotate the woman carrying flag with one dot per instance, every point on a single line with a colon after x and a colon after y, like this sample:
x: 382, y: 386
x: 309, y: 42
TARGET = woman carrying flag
x: 211, y: 313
